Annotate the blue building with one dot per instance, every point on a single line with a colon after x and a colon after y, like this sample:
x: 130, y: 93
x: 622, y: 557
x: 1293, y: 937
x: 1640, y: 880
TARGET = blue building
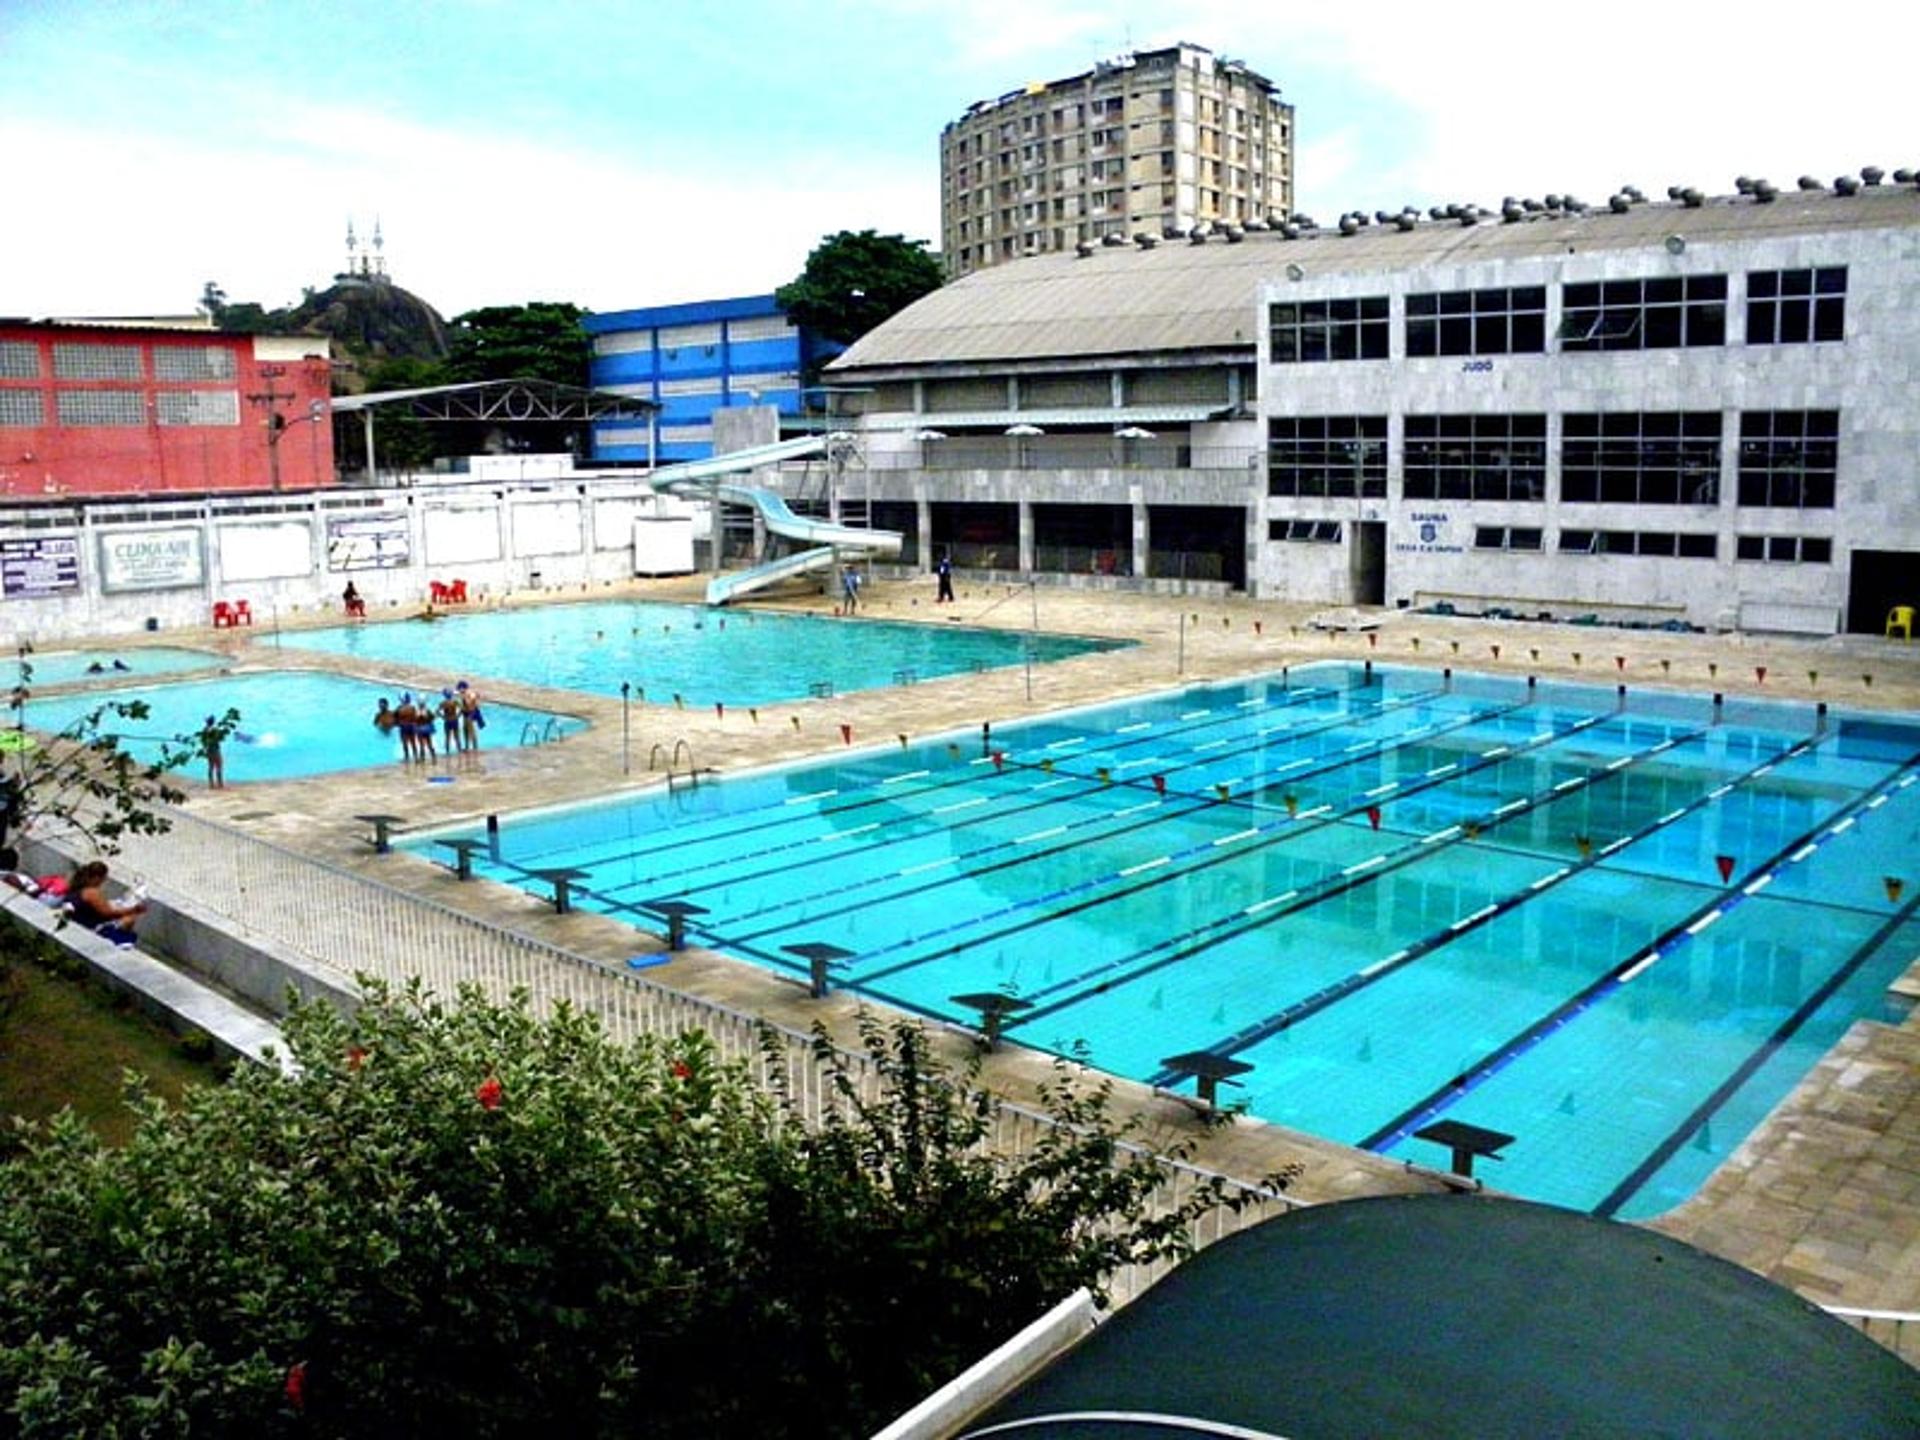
x: 692, y: 360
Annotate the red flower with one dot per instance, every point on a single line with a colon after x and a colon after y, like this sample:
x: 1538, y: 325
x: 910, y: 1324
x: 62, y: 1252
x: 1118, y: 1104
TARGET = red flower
x: 682, y: 1071
x: 490, y: 1093
x: 297, y: 1385
x: 356, y: 1056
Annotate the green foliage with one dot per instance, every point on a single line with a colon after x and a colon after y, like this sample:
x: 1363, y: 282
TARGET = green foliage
x: 83, y: 783
x: 855, y: 279
x: 458, y: 1219
x: 539, y: 341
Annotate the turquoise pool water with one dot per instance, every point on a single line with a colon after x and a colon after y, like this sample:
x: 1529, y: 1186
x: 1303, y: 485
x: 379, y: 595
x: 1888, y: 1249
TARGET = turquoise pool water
x: 56, y: 667
x: 291, y: 723
x: 1618, y: 931
x: 702, y: 655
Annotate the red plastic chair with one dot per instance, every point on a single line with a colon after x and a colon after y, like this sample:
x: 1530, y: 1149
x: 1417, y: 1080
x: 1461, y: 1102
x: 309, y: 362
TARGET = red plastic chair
x: 457, y: 592
x: 222, y: 615
x: 242, y: 613
x: 437, y: 593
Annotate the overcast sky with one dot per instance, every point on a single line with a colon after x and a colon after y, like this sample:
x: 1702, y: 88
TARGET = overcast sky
x: 626, y: 155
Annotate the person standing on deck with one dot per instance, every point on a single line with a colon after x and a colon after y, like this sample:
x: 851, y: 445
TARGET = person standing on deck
x: 944, y: 573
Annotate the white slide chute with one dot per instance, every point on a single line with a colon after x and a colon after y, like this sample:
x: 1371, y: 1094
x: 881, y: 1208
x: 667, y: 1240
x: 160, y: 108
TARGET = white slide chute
x: 827, y: 540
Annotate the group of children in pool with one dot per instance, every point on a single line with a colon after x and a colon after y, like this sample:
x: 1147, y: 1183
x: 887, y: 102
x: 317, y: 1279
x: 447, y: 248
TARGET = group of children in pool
x: 457, y: 710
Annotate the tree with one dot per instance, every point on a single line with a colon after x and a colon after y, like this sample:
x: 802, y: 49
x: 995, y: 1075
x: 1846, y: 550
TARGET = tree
x: 539, y: 341
x: 855, y: 279
x: 457, y: 1218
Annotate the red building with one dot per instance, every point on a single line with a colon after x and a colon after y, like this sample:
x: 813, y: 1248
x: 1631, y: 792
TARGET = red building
x: 148, y: 407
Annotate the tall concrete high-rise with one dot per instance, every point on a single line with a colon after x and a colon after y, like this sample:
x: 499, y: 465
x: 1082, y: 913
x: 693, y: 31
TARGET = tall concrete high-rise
x: 1150, y: 140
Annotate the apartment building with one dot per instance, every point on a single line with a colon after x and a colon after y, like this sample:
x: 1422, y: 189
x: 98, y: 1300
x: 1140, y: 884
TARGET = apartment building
x: 1151, y: 141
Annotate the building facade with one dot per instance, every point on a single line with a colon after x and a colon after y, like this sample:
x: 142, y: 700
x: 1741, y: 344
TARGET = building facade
x: 1700, y: 411
x: 1155, y: 140
x: 141, y: 408
x: 693, y: 360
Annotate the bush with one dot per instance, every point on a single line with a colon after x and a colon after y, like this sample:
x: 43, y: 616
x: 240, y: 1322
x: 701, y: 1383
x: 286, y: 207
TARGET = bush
x: 457, y: 1218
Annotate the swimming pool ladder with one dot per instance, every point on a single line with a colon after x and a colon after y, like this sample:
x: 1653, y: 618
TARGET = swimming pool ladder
x: 533, y: 733
x: 676, y: 777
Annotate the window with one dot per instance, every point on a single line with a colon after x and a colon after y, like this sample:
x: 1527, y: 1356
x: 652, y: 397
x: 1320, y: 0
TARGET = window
x: 1661, y: 314
x: 1665, y: 457
x: 1789, y: 307
x: 1501, y: 537
x: 1320, y: 532
x: 1476, y: 457
x: 102, y: 407
x: 195, y: 362
x: 1789, y: 459
x: 198, y: 407
x: 1313, y: 330
x: 1321, y: 455
x: 1641, y: 542
x: 22, y: 407
x: 96, y: 362
x: 19, y: 360
x: 1478, y: 322
x: 1785, y: 549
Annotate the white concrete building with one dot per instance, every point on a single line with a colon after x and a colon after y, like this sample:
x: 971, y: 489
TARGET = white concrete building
x: 1702, y: 410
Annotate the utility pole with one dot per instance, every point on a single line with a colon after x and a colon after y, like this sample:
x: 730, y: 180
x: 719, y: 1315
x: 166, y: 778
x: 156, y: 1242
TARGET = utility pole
x: 276, y: 422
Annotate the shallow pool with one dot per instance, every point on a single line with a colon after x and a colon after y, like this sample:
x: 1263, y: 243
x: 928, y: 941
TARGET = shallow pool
x: 57, y: 667
x: 1618, y: 931
x: 701, y: 655
x: 292, y: 723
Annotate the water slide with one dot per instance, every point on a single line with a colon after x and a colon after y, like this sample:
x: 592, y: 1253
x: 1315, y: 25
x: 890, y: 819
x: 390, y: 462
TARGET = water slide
x: 699, y: 479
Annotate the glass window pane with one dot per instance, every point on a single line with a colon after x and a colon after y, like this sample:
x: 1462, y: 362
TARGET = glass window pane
x: 1816, y: 551
x: 1750, y: 547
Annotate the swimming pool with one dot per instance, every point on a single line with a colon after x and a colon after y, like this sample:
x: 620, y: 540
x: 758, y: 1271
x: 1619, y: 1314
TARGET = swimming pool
x: 57, y: 667
x: 292, y: 723
x: 1616, y: 929
x: 739, y: 658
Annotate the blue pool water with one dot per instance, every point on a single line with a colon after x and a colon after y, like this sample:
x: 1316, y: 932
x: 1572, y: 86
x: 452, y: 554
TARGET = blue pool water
x: 291, y: 723
x: 57, y: 667
x: 1417, y: 900
x: 739, y: 658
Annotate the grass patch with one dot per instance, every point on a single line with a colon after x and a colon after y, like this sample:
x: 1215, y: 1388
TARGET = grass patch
x: 65, y: 1041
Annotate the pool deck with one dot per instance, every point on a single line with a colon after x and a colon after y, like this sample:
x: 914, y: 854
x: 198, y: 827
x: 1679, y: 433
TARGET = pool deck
x: 1823, y: 1197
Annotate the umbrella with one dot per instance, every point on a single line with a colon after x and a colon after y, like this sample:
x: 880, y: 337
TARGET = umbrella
x: 1025, y: 430
x: 1133, y: 432
x: 924, y: 435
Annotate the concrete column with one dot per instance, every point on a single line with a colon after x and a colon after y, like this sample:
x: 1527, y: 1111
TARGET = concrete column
x: 759, y: 536
x: 1026, y: 537
x: 923, y: 526
x: 1142, y: 530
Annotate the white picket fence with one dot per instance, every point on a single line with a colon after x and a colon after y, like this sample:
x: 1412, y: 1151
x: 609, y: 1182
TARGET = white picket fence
x: 353, y: 924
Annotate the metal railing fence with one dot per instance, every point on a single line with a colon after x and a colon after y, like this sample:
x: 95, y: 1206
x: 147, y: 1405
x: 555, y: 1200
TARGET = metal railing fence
x: 354, y: 924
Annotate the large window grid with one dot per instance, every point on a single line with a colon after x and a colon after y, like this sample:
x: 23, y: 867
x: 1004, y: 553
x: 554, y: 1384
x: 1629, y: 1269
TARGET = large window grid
x: 96, y: 362
x: 1668, y: 457
x: 1475, y: 457
x: 1306, y: 331
x: 1663, y: 543
x: 22, y: 407
x: 1658, y: 314
x: 19, y: 360
x: 198, y: 407
x: 1327, y: 455
x: 1507, y: 537
x: 192, y: 362
x: 1478, y: 322
x: 1789, y: 459
x: 1789, y: 307
x: 1784, y: 549
x: 1319, y: 532
x: 102, y: 407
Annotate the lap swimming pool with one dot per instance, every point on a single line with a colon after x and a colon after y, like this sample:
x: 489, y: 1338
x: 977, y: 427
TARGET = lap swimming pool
x: 702, y: 655
x: 292, y: 723
x: 1616, y: 929
x: 57, y: 667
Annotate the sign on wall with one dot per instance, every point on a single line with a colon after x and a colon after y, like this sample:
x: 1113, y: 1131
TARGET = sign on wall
x: 36, y: 565
x: 462, y: 533
x: 168, y: 559
x: 275, y: 550
x: 548, y: 527
x: 1428, y: 532
x: 380, y: 541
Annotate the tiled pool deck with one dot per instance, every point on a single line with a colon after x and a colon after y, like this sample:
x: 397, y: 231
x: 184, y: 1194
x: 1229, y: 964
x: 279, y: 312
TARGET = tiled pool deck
x: 1824, y: 1197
